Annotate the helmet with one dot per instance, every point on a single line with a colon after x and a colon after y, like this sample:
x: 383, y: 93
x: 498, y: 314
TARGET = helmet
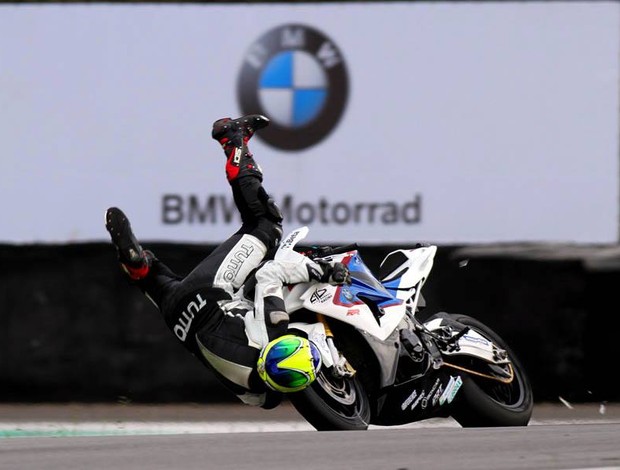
x: 289, y: 363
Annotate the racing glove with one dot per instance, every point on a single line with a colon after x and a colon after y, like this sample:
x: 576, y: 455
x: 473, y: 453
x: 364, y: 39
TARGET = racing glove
x: 334, y: 273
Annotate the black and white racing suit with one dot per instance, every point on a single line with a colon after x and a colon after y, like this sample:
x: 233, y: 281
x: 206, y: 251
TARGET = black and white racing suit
x: 205, y: 309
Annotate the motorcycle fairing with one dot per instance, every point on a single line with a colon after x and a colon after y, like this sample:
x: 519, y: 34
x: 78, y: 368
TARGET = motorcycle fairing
x: 288, y: 243
x: 402, y: 270
x: 366, y: 303
x: 417, y: 399
x: 364, y: 286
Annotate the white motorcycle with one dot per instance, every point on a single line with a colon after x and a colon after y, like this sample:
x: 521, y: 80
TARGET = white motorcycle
x: 381, y: 365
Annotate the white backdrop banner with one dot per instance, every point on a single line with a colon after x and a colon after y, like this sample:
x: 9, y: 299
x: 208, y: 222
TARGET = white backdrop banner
x: 391, y: 123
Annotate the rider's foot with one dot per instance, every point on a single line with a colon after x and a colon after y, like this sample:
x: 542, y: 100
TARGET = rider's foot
x: 332, y: 273
x: 134, y: 260
x: 233, y: 135
x: 236, y: 132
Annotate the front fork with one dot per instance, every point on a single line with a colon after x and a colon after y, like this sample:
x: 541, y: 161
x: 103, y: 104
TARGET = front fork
x: 342, y: 367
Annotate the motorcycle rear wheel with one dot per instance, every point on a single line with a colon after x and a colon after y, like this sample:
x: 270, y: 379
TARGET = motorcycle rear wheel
x: 485, y: 403
x: 333, y: 403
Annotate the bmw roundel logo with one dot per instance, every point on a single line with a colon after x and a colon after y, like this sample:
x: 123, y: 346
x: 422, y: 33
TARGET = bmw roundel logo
x: 296, y: 76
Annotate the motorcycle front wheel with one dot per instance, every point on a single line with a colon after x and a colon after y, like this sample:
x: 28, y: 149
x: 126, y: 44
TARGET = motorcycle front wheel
x: 333, y: 403
x: 484, y: 402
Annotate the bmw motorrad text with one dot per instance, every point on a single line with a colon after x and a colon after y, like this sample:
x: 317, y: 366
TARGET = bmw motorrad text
x: 218, y: 208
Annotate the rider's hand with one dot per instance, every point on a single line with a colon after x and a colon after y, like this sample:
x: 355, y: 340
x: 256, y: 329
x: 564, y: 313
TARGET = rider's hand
x: 334, y: 273
x: 341, y: 274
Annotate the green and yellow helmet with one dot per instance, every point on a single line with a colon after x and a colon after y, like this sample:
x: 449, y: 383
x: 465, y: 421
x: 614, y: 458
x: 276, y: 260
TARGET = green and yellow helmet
x: 289, y: 363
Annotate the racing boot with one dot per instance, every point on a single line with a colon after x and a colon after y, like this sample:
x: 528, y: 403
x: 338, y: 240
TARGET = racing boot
x: 134, y: 260
x: 234, y: 135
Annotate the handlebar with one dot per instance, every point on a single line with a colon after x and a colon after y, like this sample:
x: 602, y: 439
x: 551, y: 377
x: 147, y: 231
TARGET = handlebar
x: 343, y: 249
x: 322, y: 251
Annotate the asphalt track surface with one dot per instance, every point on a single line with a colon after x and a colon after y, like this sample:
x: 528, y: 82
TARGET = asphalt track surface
x: 559, y: 437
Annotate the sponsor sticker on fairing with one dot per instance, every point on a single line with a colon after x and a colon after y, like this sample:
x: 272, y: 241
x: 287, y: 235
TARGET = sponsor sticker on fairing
x: 320, y: 296
x: 409, y: 400
x: 451, y: 389
x: 437, y: 395
x: 417, y: 402
x: 289, y: 242
x: 430, y: 394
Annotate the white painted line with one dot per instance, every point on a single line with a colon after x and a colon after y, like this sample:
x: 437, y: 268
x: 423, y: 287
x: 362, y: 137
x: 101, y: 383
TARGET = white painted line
x: 21, y: 429
x: 102, y: 428
x: 130, y: 427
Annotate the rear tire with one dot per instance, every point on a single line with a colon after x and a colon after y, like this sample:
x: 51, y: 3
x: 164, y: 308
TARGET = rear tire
x: 483, y: 402
x: 333, y: 404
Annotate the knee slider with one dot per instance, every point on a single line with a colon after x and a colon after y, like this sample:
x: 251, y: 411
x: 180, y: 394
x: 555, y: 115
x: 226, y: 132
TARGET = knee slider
x: 277, y: 317
x: 275, y: 311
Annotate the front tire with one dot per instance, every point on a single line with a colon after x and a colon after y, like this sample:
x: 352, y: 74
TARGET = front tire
x: 483, y: 402
x: 333, y: 403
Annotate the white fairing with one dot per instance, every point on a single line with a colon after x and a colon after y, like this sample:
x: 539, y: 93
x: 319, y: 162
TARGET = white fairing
x: 418, y: 267
x: 323, y: 298
x: 338, y: 303
x: 285, y: 250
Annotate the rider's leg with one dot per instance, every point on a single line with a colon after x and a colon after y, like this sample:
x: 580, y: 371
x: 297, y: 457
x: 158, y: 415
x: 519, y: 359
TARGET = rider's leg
x: 255, y: 206
x: 152, y: 276
x: 229, y: 264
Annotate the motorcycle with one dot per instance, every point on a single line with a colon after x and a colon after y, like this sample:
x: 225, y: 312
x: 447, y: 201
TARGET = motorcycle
x: 382, y: 365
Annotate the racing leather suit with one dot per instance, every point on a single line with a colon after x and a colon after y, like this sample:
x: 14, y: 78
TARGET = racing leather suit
x: 208, y: 312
